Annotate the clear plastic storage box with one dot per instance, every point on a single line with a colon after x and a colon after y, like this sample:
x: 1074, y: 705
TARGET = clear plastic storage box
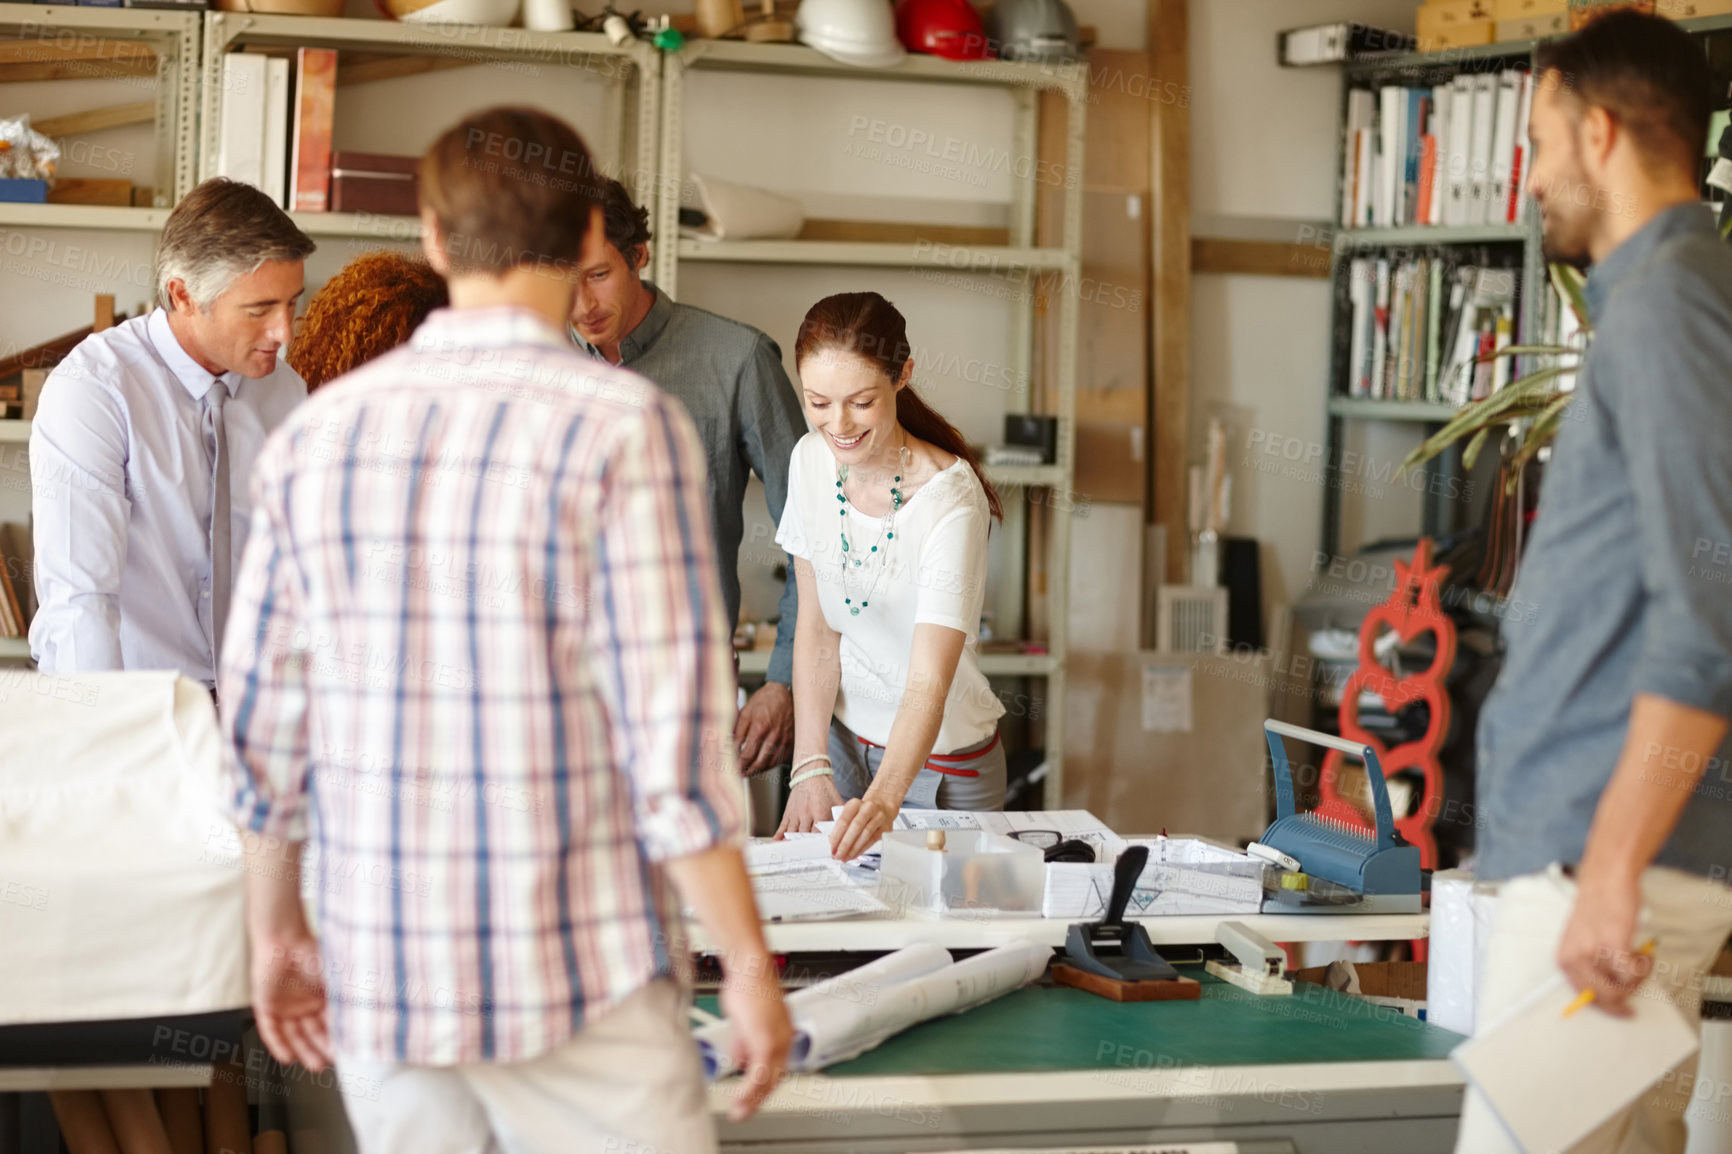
x: 976, y: 871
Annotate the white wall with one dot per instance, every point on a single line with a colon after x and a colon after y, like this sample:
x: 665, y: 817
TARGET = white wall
x: 1263, y: 145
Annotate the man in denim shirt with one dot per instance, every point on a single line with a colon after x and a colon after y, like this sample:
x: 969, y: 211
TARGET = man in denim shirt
x: 1604, y: 774
x: 730, y: 378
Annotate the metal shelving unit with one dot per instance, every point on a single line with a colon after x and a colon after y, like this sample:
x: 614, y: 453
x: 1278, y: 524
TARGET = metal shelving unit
x: 174, y: 37
x: 626, y: 144
x: 1024, y: 81
x: 1442, y: 513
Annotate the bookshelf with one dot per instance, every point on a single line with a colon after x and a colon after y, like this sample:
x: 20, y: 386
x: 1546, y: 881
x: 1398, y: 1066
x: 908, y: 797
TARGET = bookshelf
x: 624, y: 143
x: 1060, y: 258
x: 75, y: 44
x: 1516, y: 246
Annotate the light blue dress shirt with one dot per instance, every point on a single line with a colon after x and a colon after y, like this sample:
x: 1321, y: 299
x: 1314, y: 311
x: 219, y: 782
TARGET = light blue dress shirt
x: 120, y: 479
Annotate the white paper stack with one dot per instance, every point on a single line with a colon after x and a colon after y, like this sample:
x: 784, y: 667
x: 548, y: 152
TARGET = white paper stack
x: 1461, y: 918
x: 1184, y: 876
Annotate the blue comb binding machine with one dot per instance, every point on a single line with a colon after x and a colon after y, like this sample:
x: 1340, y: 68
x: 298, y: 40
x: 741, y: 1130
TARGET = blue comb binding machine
x: 1360, y: 872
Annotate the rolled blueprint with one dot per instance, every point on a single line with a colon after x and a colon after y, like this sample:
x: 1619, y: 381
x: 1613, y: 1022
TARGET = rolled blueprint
x: 834, y: 1031
x: 845, y: 1016
x: 864, y: 984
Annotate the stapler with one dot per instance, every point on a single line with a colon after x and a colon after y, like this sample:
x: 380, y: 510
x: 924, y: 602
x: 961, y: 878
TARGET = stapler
x: 1258, y: 964
x: 1116, y: 960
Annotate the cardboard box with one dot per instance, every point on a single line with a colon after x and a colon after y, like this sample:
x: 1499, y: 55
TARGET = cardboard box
x: 1527, y: 9
x: 1691, y: 9
x: 1582, y: 11
x: 1533, y: 27
x: 1458, y: 36
x: 1435, y: 14
x: 1399, y: 985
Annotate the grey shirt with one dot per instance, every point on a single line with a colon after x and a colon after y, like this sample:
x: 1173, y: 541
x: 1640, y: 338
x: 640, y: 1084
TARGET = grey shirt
x: 729, y: 377
x: 1629, y: 566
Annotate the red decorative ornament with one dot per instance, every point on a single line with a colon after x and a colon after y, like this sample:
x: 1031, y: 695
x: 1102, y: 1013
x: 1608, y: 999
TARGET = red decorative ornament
x: 1413, y: 609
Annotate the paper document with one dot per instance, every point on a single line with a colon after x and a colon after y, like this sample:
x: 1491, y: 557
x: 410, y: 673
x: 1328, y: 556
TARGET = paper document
x: 1184, y: 876
x: 847, y: 1015
x: 1551, y: 1080
x: 795, y: 853
x: 816, y: 890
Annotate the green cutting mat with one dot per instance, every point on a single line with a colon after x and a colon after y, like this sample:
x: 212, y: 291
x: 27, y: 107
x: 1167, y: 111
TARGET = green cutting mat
x: 1044, y: 1029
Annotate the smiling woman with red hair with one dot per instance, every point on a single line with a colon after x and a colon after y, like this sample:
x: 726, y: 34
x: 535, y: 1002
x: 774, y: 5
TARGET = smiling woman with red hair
x: 368, y: 308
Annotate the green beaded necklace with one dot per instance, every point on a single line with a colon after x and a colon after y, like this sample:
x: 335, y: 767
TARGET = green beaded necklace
x: 886, y: 534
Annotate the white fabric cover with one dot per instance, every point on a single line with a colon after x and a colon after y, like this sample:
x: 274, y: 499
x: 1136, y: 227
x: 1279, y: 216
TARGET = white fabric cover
x: 120, y: 880
x: 741, y: 212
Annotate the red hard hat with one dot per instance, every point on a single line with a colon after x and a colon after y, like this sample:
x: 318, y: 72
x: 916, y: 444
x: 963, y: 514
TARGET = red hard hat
x: 947, y: 28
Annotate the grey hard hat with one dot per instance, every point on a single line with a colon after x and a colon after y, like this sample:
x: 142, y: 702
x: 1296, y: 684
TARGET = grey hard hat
x: 1032, y: 30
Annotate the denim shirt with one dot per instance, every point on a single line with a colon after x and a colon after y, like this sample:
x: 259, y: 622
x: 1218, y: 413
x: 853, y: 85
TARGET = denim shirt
x: 1629, y: 567
x: 729, y: 376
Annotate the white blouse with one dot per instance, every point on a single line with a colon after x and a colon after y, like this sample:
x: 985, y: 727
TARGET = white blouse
x: 933, y: 572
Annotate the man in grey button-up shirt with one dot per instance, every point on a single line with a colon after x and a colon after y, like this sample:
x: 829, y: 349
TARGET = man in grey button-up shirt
x: 730, y: 378
x: 1605, y: 788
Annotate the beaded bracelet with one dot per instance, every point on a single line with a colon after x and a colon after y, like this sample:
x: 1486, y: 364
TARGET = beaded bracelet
x: 820, y: 771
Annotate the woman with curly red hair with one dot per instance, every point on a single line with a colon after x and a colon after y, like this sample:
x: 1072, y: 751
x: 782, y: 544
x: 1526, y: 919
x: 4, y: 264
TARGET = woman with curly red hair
x: 368, y: 308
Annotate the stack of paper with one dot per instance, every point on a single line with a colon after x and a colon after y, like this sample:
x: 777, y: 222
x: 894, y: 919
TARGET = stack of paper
x: 1183, y: 876
x: 795, y: 880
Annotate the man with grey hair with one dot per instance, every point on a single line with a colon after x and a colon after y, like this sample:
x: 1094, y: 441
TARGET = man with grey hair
x: 144, y: 440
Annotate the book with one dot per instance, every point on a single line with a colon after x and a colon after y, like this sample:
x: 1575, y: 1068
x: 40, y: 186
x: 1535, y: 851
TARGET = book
x: 1427, y: 171
x: 1389, y: 153
x: 315, y: 116
x: 1479, y: 169
x: 240, y: 153
x: 1412, y: 138
x: 1359, y: 297
x: 1439, y: 128
x: 1367, y: 166
x: 1433, y: 329
x: 276, y: 130
x: 1503, y: 146
x: 1523, y: 150
x: 18, y: 555
x: 1361, y: 115
x: 1460, y: 149
x: 1380, y: 334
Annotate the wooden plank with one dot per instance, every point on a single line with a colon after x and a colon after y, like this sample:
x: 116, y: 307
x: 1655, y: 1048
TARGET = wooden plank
x: 1256, y: 258
x: 1170, y: 180
x: 114, y: 116
x: 103, y: 318
x: 898, y: 232
x: 81, y: 48
x: 1118, y: 134
x: 75, y: 70
x: 78, y: 190
x: 45, y: 355
x: 372, y: 68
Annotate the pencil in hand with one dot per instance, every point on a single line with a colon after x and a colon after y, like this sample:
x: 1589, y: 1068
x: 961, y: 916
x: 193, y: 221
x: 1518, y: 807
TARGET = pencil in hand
x: 1587, y: 996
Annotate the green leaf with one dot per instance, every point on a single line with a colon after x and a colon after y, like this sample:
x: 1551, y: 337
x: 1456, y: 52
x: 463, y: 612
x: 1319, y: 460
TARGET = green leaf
x: 1471, y: 454
x: 1571, y: 285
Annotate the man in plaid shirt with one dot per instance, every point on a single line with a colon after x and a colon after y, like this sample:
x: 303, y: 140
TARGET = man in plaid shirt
x: 477, y: 654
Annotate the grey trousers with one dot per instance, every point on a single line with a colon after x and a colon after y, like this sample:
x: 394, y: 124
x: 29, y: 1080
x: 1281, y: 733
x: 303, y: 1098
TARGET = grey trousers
x: 969, y: 779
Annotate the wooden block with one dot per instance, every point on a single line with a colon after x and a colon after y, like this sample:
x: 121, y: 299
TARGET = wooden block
x: 34, y: 379
x: 114, y: 116
x: 897, y: 232
x: 80, y: 190
x: 143, y: 197
x: 104, y: 315
x: 1258, y: 258
x: 1177, y: 990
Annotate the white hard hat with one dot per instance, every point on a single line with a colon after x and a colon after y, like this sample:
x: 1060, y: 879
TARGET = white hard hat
x: 859, y: 32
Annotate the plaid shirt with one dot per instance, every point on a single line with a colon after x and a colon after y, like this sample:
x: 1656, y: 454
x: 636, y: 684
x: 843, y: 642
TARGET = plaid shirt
x: 477, y: 640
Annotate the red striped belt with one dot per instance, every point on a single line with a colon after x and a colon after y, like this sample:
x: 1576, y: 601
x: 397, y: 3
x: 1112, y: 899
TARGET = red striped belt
x: 944, y: 762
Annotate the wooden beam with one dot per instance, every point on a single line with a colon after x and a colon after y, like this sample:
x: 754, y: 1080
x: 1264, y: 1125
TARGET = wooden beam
x: 895, y: 232
x: 371, y: 69
x: 50, y: 51
x: 1257, y: 258
x: 1170, y: 332
x: 75, y: 70
x: 81, y: 190
x: 114, y: 116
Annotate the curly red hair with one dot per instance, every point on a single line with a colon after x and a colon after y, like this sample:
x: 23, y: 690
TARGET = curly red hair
x: 368, y: 308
